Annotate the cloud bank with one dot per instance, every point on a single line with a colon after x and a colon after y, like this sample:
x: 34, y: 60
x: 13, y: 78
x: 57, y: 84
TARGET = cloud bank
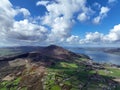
x: 112, y: 37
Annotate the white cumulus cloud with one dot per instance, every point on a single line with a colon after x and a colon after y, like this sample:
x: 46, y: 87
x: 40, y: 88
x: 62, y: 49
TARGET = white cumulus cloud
x: 17, y: 31
x: 28, y: 32
x: 73, y: 39
x: 60, y: 17
x: 42, y: 3
x: 24, y: 11
x: 104, y: 10
x: 82, y: 17
x: 91, y: 37
x: 114, y: 34
x: 96, y: 37
x: 102, y: 14
x: 112, y: 1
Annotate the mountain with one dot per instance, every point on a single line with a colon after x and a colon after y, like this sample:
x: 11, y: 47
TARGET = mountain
x: 48, y: 55
x: 52, y: 51
x: 56, y: 68
x: 57, y: 52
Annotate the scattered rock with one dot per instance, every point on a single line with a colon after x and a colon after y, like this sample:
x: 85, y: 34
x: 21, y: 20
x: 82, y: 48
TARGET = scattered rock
x: 8, y: 78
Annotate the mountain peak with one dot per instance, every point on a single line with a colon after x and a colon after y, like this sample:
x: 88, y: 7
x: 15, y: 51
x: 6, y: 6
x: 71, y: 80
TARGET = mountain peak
x: 53, y: 47
x: 57, y: 52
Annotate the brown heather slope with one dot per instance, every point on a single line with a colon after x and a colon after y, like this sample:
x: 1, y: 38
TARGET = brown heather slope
x: 52, y: 52
x: 49, y: 52
x: 58, y: 52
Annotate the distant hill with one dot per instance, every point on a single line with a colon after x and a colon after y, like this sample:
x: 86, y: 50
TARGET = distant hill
x: 113, y: 51
x: 51, y: 51
x: 49, y: 55
x: 8, y: 53
x: 58, y: 52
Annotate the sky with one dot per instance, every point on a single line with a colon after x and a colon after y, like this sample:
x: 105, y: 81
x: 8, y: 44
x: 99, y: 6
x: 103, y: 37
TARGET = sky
x: 60, y: 22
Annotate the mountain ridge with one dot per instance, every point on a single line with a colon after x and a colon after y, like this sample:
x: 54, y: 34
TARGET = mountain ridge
x: 55, y: 68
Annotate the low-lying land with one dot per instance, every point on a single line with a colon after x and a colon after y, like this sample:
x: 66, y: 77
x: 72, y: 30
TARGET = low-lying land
x: 114, y: 51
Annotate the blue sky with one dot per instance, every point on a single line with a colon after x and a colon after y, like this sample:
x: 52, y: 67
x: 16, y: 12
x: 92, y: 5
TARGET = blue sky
x: 62, y: 22
x: 104, y: 26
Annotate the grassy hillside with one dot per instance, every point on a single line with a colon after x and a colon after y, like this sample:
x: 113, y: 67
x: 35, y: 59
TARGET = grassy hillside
x: 51, y: 72
x: 65, y: 76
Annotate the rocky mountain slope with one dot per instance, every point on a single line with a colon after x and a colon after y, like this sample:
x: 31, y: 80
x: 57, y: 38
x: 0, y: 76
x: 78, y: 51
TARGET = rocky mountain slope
x: 55, y: 68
